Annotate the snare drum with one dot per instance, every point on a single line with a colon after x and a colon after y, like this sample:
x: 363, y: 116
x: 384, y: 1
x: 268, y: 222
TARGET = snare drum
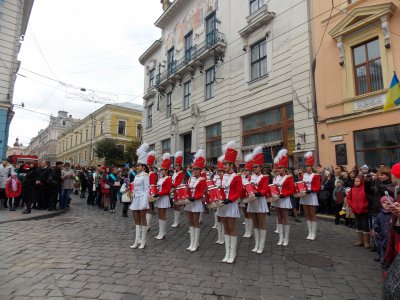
x: 274, y: 193
x: 215, y: 197
x: 301, y: 189
x: 249, y: 189
x: 183, y: 194
x: 153, y: 191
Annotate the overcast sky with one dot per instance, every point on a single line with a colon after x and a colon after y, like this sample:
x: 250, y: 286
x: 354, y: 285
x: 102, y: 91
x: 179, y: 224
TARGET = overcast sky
x: 94, y: 44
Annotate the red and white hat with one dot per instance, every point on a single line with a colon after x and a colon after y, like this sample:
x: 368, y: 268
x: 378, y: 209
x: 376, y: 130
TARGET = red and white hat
x: 310, y: 160
x: 281, y: 160
x: 166, y: 161
x: 230, y: 153
x: 151, y: 157
x: 396, y: 170
x: 199, y: 159
x: 248, y: 161
x: 220, y: 165
x: 258, y: 159
x: 179, y: 158
x: 141, y: 153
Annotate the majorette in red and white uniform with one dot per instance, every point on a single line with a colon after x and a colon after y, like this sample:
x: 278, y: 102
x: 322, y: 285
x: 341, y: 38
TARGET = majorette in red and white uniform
x: 246, y: 180
x: 217, y: 180
x: 164, y: 186
x: 140, y: 201
x: 313, y: 183
x: 285, y: 184
x: 197, y: 186
x: 177, y: 180
x: 232, y: 185
x: 261, y: 183
x: 151, y: 157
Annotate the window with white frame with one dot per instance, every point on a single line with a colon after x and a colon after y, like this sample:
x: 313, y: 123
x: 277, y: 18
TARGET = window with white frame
x: 258, y: 60
x: 186, y: 95
x: 171, y: 61
x: 255, y: 5
x: 150, y: 116
x: 166, y: 146
x: 122, y: 127
x: 152, y: 77
x: 169, y: 105
x: 87, y: 135
x: 188, y: 46
x: 210, y: 78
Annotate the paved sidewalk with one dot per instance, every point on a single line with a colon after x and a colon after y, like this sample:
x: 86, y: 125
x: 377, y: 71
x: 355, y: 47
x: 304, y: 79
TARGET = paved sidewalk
x: 85, y: 254
x: 7, y: 216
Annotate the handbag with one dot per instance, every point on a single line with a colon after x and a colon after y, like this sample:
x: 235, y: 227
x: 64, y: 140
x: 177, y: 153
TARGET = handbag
x: 125, y: 198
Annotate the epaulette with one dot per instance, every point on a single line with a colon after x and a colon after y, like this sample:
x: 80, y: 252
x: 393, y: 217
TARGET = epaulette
x: 202, y: 178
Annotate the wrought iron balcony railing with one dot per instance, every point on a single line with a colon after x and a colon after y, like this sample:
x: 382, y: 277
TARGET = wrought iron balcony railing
x: 212, y: 39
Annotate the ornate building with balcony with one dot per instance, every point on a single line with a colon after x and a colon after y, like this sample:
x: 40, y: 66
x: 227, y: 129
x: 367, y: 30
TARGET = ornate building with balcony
x: 361, y: 50
x: 226, y: 70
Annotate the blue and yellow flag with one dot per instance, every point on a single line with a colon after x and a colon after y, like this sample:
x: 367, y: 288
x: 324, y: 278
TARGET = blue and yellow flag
x: 393, y: 95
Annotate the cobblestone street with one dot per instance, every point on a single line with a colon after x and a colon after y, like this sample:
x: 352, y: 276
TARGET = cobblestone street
x: 85, y: 254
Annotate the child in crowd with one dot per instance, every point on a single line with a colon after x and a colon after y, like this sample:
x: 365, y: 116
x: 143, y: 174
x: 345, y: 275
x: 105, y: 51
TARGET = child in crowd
x: 349, y: 216
x: 381, y: 230
x: 339, y: 194
x: 358, y: 202
x: 13, y: 190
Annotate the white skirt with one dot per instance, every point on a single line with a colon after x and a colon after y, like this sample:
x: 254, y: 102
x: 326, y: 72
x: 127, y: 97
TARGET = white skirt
x: 229, y: 211
x: 310, y: 199
x: 196, y: 206
x: 163, y: 202
x: 258, y: 206
x: 283, y: 203
x: 139, y: 203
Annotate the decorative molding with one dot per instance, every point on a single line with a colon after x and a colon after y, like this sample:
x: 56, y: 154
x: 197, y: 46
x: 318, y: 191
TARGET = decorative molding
x: 361, y: 16
x: 147, y: 54
x: 260, y: 18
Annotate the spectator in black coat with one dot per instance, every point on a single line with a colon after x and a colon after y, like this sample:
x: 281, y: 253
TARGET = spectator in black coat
x: 54, y: 185
x: 43, y: 176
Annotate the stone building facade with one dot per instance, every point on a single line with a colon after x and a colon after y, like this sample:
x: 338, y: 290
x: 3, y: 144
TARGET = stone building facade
x: 225, y: 70
x: 14, y: 17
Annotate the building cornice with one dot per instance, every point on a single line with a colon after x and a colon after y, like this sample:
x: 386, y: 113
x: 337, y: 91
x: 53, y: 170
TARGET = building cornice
x: 149, y: 52
x: 170, y: 14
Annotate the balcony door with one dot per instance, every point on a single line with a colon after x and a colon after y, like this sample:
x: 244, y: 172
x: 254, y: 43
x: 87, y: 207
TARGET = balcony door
x: 211, y: 30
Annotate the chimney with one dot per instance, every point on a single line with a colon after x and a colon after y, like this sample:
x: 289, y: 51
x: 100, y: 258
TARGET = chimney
x: 165, y: 4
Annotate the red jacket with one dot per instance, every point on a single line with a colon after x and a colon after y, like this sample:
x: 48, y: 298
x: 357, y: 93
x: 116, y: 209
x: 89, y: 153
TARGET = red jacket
x: 288, y: 187
x: 263, y: 186
x: 316, y: 183
x: 235, y: 188
x: 9, y: 191
x: 357, y: 199
x: 152, y: 178
x: 178, y: 179
x: 165, y: 187
x: 200, y: 189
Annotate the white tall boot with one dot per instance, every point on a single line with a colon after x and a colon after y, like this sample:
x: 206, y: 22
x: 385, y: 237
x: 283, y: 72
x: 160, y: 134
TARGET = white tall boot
x: 177, y: 214
x: 191, y: 231
x: 158, y: 237
x: 277, y: 228
x: 219, y: 233
x: 281, y: 237
x: 148, y: 220
x: 309, y: 229
x: 313, y: 230
x: 287, y: 232
x: 263, y: 234
x: 215, y: 222
x: 162, y: 230
x: 196, y: 240
x: 246, y: 228
x: 232, y: 254
x: 257, y: 239
x: 143, y: 238
x: 137, y: 237
x: 227, y: 247
x: 250, y: 228
x: 201, y: 218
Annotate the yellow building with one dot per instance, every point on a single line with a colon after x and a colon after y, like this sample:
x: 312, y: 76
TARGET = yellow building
x: 121, y: 122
